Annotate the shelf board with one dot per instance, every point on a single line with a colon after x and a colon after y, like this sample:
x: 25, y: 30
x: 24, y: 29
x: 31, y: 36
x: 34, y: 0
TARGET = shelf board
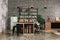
x: 28, y: 18
x: 28, y: 15
x: 29, y: 12
x: 26, y: 23
x: 29, y: 8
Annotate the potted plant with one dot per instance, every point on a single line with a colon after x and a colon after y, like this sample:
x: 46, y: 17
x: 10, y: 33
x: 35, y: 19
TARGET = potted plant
x: 41, y: 21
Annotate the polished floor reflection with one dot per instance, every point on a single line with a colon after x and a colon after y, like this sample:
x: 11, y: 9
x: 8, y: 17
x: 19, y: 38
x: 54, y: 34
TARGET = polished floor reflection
x: 40, y: 36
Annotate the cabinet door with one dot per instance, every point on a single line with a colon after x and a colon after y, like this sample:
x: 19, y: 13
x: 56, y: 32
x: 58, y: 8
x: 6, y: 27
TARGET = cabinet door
x: 28, y: 28
x: 13, y: 21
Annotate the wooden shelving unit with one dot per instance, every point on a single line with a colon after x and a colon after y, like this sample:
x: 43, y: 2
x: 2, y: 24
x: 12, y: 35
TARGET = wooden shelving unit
x: 28, y: 14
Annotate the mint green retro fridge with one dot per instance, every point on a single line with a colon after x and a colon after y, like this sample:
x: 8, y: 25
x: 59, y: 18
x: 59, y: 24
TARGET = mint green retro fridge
x: 13, y: 21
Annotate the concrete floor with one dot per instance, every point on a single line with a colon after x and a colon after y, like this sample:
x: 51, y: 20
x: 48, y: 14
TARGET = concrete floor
x: 41, y: 36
